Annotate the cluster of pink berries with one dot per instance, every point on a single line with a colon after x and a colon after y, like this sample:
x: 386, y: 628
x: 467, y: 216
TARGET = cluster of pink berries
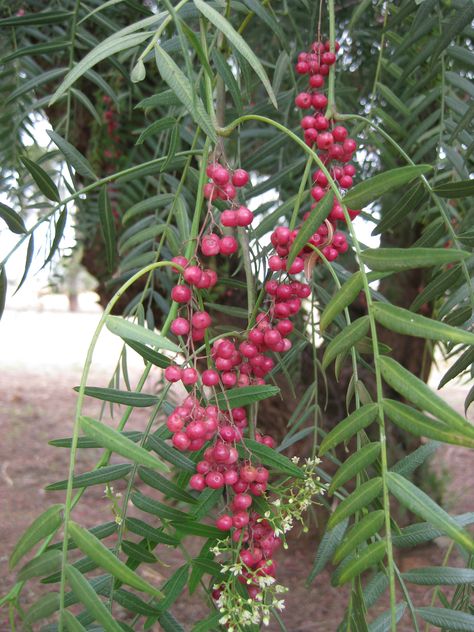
x: 234, y: 363
x: 258, y: 544
x: 223, y: 184
x: 335, y: 150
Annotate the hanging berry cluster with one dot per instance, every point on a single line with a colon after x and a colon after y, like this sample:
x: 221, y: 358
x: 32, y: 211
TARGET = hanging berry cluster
x: 232, y: 363
x: 245, y: 360
x: 333, y: 145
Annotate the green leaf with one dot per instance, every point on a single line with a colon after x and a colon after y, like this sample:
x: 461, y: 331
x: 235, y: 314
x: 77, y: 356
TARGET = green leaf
x: 344, y: 430
x: 208, y: 499
x: 345, y: 295
x: 107, y: 226
x: 174, y: 587
x: 149, y: 204
x: 358, y: 461
x: 36, y: 49
x: 165, y: 97
x: 201, y: 565
x: 138, y: 552
x: 88, y: 597
x: 182, y: 87
x: 422, y: 532
x: 167, y: 487
x: 368, y: 557
x: 170, y: 454
x: 95, y: 477
x: 42, y: 179
x: 129, y: 331
x: 420, y: 425
x: 101, y: 532
x: 44, y: 564
x: 72, y: 624
x: 392, y: 98
x: 44, y: 607
x: 462, y: 363
x: 13, y: 219
x: 406, y: 205
x: 346, y: 339
x: 269, y: 457
x: 133, y: 603
x: 329, y: 543
x: 83, y: 564
x: 439, y: 576
x: 225, y: 72
x: 455, y: 190
x: 402, y: 321
x: 154, y: 507
x: 29, y: 258
x: 454, y: 620
x: 128, y: 398
x: 45, y: 524
x: 361, y: 497
x: 266, y: 16
x: 105, y: 559
x: 309, y: 227
x: 237, y: 397
x: 169, y: 623
x: 58, y: 235
x: 207, y: 565
x: 359, y: 10
x: 399, y: 259
x: 115, y: 442
x: 375, y: 588
x: 36, y: 18
x: 463, y: 17
x: 156, y: 127
x: 423, y: 506
x: 416, y: 391
x: 239, y: 43
x: 367, y: 527
x: 148, y: 532
x: 158, y: 359
x: 74, y: 157
x: 413, y: 460
x: 85, y: 442
x: 209, y: 623
x: 383, y: 622
x: 441, y: 282
x: 370, y: 190
x: 113, y: 44
x: 194, y: 528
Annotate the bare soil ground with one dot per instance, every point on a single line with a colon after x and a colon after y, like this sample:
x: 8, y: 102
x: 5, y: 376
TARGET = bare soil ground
x: 40, y: 360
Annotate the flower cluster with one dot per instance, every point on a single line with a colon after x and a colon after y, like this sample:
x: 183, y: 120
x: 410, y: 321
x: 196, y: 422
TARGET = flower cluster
x: 249, y: 589
x: 293, y: 501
